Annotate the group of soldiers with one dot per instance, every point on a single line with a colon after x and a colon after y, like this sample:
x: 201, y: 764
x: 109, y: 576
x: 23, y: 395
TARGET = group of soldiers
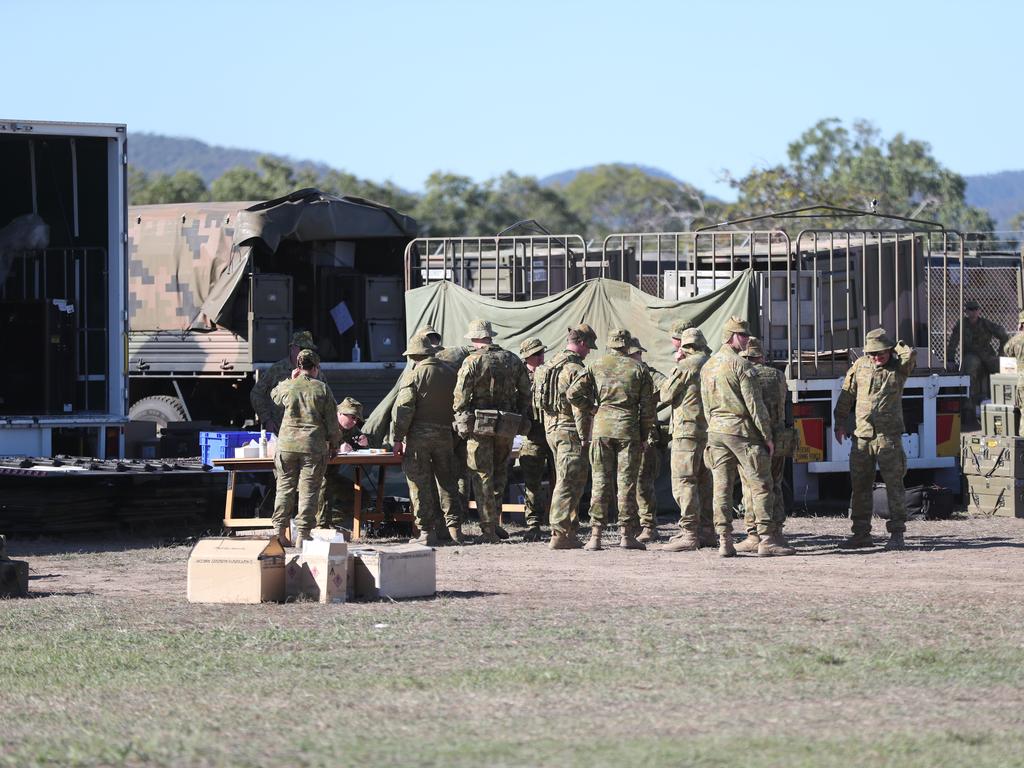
x: 459, y: 409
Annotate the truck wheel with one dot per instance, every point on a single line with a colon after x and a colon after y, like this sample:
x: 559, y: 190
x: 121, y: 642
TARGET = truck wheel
x: 159, y: 408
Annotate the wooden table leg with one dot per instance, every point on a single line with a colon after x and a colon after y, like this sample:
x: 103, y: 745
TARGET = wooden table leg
x: 229, y: 500
x: 357, y: 512
x: 380, y: 491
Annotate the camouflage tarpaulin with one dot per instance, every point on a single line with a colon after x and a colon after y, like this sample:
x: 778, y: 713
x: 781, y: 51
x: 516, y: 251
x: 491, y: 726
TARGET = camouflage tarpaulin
x: 187, y: 260
x: 605, y: 304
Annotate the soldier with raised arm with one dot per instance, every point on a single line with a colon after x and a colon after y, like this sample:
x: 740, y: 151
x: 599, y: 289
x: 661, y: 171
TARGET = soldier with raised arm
x: 492, y: 405
x: 619, y: 393
x: 739, y: 439
x: 566, y: 428
x: 873, y: 389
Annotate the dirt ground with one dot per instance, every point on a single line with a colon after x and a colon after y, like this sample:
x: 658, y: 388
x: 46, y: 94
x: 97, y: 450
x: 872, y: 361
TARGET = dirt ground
x: 533, y: 657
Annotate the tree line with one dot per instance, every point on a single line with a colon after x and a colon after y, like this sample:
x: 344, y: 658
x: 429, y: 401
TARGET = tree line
x: 849, y: 166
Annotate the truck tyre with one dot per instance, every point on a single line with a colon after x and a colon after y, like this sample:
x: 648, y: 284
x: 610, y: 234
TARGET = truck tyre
x: 159, y: 408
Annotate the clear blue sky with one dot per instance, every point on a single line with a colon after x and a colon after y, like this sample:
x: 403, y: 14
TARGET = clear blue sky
x: 395, y: 90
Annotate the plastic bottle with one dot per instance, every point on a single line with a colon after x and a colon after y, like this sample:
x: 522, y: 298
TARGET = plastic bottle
x: 357, y: 354
x: 263, y: 443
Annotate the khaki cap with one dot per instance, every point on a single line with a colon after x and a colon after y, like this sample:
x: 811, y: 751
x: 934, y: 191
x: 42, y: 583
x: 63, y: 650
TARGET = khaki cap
x: 583, y: 332
x: 679, y: 327
x: 420, y: 345
x: 620, y: 338
x: 307, y: 359
x: 428, y: 330
x: 351, y: 407
x: 753, y: 348
x: 972, y: 304
x: 303, y: 340
x: 635, y: 346
x: 877, y: 341
x: 692, y: 337
x: 531, y: 346
x: 479, y: 329
x: 1020, y: 317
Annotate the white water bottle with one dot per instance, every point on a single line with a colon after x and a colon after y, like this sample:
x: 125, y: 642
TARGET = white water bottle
x: 357, y: 354
x: 263, y: 443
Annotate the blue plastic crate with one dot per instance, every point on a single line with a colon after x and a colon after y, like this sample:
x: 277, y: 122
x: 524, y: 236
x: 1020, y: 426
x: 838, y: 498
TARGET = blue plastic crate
x: 221, y: 445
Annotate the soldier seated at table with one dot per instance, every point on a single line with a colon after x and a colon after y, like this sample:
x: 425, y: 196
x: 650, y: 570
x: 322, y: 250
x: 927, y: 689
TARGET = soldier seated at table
x: 350, y: 419
x: 338, y: 479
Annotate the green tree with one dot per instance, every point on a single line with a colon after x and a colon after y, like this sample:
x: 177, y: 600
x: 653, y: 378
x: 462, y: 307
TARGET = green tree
x: 622, y: 198
x: 343, y: 183
x: 514, y: 198
x: 454, y: 205
x: 854, y: 168
x: 179, y: 187
x: 272, y: 178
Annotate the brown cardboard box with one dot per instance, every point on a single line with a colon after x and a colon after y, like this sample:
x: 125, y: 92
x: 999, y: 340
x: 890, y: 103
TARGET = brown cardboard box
x: 407, y: 570
x: 320, y: 573
x: 236, y: 570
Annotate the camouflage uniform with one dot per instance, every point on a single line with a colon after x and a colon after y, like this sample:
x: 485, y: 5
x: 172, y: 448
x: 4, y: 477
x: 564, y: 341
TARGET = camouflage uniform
x: 773, y: 391
x: 691, y: 479
x: 455, y: 357
x: 877, y: 434
x: 564, y: 424
x: 1015, y: 348
x: 335, y: 478
x: 422, y: 420
x: 650, y: 458
x: 309, y: 431
x: 534, y: 456
x: 978, y: 358
x: 491, y: 378
x: 619, y: 393
x: 738, y: 428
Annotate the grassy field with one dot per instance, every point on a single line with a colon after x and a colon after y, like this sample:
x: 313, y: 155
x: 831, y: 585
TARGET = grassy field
x: 533, y: 657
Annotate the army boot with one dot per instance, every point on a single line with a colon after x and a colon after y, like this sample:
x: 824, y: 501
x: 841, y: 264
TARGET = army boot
x: 426, y: 538
x: 488, y: 534
x: 725, y: 546
x: 684, y: 541
x: 500, y: 532
x: 563, y: 540
x: 858, y: 541
x: 895, y: 541
x: 281, y: 532
x: 301, y: 535
x: 773, y: 545
x: 594, y: 543
x: 442, y: 534
x: 533, y: 533
x: 749, y: 544
x: 649, y: 533
x: 627, y: 539
x: 455, y: 531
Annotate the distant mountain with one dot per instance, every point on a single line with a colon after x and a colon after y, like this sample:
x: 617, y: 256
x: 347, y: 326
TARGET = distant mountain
x: 562, y: 178
x: 154, y: 153
x: 1001, y: 194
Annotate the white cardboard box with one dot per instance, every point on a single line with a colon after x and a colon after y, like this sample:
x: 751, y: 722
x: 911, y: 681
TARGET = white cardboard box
x: 1007, y: 364
x: 236, y: 570
x: 407, y: 570
x: 320, y: 573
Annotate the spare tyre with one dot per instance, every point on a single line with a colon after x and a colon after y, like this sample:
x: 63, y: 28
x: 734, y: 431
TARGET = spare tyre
x: 161, y: 409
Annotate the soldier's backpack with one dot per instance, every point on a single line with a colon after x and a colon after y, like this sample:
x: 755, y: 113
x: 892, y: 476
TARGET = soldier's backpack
x: 547, y: 392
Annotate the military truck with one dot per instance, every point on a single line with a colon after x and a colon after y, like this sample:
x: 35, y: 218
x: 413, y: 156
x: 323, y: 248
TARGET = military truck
x: 215, y: 291
x: 62, y: 288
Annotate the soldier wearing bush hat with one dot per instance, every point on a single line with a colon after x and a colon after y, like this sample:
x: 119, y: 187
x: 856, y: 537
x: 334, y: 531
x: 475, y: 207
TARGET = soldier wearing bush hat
x: 739, y: 439
x: 619, y: 393
x: 873, y: 390
x: 983, y: 344
x: 534, y: 455
x: 1015, y: 348
x: 650, y: 457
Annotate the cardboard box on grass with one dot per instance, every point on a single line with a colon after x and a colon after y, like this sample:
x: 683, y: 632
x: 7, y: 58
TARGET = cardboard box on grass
x: 236, y: 570
x: 320, y: 573
x: 407, y: 570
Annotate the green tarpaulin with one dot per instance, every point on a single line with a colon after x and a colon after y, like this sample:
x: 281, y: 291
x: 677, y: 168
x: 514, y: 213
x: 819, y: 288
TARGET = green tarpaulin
x: 604, y: 304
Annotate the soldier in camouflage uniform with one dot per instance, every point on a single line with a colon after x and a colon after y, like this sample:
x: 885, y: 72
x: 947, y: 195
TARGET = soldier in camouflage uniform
x: 350, y: 417
x: 492, y: 405
x: 650, y: 459
x: 423, y: 437
x: 773, y: 391
x: 1015, y: 348
x: 978, y: 358
x: 455, y: 357
x: 875, y: 384
x: 739, y: 439
x: 691, y: 479
x: 619, y: 393
x: 309, y: 433
x: 566, y: 427
x: 534, y: 456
